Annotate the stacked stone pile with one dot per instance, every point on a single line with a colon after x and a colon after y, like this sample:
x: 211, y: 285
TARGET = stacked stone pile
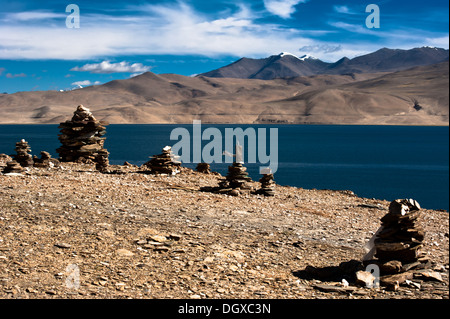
x: 45, y: 161
x: 81, y: 137
x: 400, y: 238
x: 22, y: 154
x: 267, y: 185
x: 3, y: 160
x: 236, y: 180
x: 45, y: 156
x: 398, y: 245
x: 13, y: 167
x: 102, y: 161
x: 203, y: 168
x: 164, y: 163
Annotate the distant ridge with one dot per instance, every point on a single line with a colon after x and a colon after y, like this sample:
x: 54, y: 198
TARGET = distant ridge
x: 287, y: 65
x: 416, y: 96
x: 283, y: 65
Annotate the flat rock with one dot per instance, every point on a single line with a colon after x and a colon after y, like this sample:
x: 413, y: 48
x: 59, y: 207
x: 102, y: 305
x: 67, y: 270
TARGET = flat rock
x: 391, y: 246
x: 428, y: 274
x: 331, y: 288
x: 157, y: 238
x: 124, y: 252
x: 391, y: 267
x: 391, y: 280
x: 365, y: 278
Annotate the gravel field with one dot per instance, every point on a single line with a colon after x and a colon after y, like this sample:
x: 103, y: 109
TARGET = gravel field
x: 73, y: 232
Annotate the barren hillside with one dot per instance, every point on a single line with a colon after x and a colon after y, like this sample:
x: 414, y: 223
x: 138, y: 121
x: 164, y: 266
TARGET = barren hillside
x: 417, y: 96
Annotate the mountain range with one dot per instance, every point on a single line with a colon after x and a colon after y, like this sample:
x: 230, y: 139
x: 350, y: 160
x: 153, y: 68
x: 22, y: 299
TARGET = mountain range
x: 386, y: 87
x: 286, y: 65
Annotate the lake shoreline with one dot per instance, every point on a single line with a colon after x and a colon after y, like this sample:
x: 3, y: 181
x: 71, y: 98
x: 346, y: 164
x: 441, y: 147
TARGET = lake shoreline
x: 382, y: 162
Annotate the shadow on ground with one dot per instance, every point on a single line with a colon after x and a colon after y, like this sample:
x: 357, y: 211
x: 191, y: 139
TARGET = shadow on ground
x: 345, y: 270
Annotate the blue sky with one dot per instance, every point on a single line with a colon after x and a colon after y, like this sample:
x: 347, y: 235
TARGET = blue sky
x: 120, y: 39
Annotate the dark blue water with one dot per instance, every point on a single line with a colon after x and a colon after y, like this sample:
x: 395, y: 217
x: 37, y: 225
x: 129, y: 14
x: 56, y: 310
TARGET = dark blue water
x: 384, y: 162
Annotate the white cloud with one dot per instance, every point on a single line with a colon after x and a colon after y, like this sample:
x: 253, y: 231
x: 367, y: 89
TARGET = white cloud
x: 12, y: 76
x: 85, y: 83
x: 400, y: 39
x: 343, y: 9
x: 282, y: 8
x: 180, y: 30
x: 34, y: 15
x: 440, y: 42
x: 156, y: 29
x: 356, y: 28
x: 106, y: 67
x: 174, y: 29
x: 332, y: 52
x: 43, y: 41
x: 325, y: 48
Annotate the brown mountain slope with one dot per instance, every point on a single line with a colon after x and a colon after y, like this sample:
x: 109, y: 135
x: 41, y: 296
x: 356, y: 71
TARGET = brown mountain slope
x: 414, y: 97
x: 168, y: 98
x: 418, y: 96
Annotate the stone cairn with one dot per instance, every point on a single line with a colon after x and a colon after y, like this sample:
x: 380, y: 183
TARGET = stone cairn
x: 203, y: 168
x: 164, y: 163
x: 21, y: 159
x: 3, y: 160
x: 102, y: 161
x: 398, y: 243
x: 400, y: 238
x: 46, y: 160
x: 13, y: 167
x: 22, y: 154
x: 267, y: 184
x: 235, y: 181
x: 82, y: 137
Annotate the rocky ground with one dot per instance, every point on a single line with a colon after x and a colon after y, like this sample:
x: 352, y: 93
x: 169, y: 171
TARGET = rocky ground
x: 72, y: 232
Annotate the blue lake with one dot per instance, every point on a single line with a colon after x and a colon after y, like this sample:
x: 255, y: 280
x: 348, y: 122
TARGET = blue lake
x: 383, y: 162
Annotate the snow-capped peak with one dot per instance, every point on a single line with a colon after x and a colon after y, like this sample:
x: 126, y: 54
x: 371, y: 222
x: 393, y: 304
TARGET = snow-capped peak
x: 302, y: 58
x: 283, y: 54
x: 307, y: 56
